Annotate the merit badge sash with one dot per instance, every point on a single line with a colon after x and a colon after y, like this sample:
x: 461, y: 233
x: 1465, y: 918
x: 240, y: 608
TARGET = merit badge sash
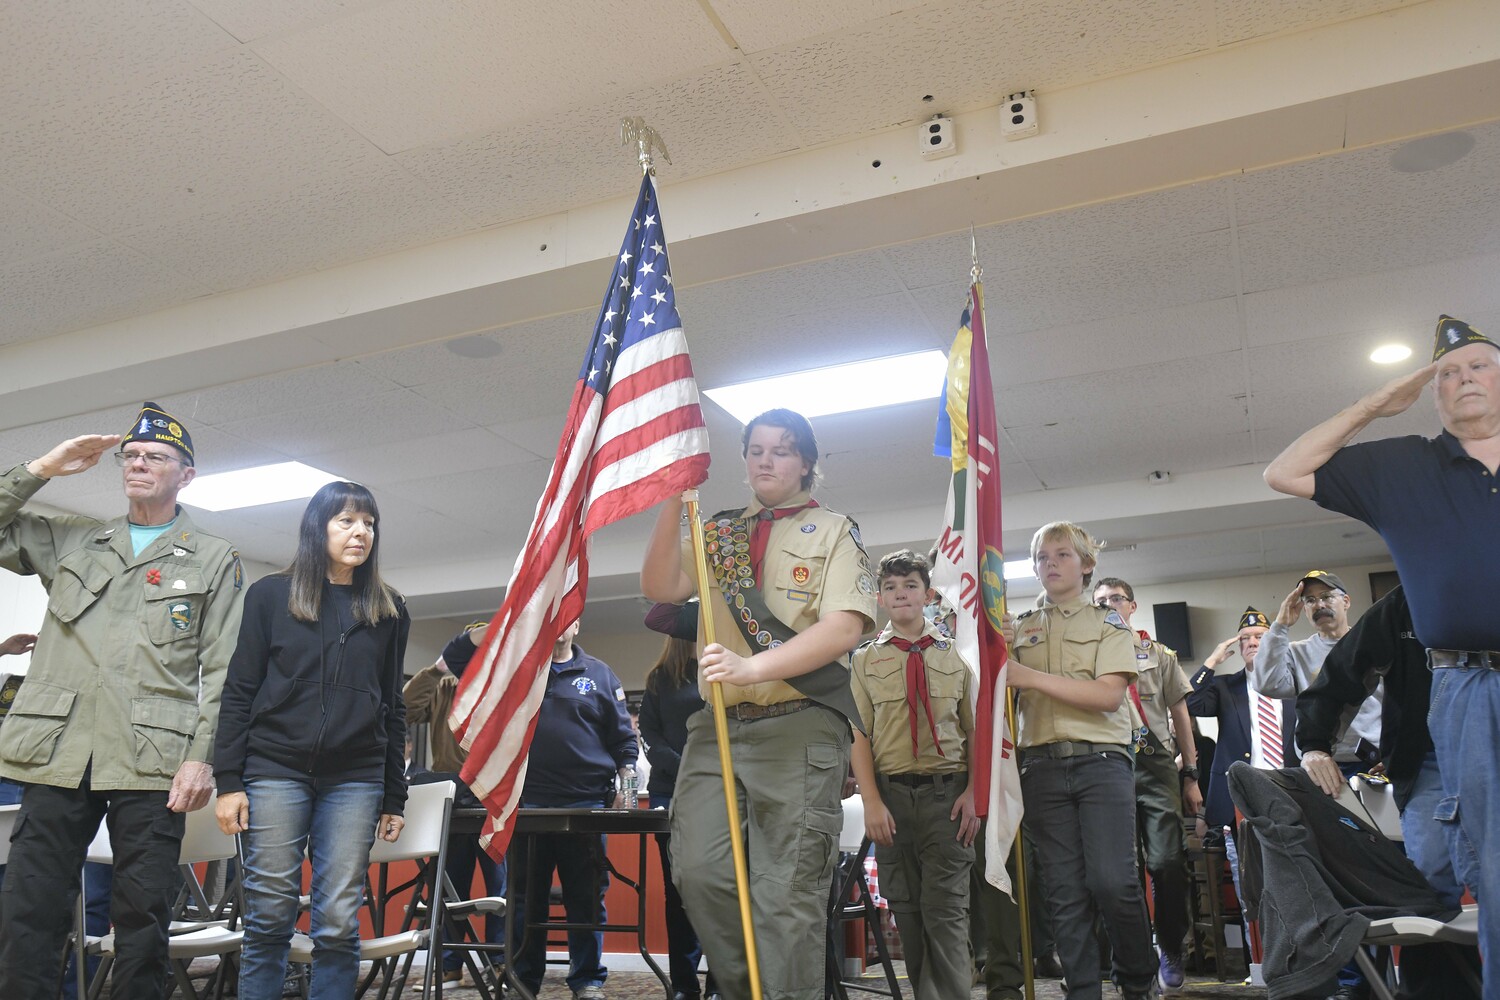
x: 726, y: 542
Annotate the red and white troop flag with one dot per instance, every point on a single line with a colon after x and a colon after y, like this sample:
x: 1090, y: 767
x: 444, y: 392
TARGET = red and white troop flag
x: 969, y: 573
x: 634, y: 436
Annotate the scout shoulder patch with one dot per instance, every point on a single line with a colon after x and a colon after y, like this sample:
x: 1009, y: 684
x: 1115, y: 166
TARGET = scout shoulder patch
x: 1114, y: 619
x: 239, y: 571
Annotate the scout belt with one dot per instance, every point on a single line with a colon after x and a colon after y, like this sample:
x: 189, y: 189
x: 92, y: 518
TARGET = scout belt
x: 726, y: 543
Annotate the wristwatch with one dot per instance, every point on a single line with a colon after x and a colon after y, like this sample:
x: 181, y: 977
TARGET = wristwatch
x: 1189, y: 772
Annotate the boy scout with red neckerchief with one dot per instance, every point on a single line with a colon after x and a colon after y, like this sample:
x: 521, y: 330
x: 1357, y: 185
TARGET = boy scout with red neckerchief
x: 914, y: 697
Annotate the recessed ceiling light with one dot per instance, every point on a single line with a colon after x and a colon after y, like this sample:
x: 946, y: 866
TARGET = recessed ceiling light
x: 1018, y: 569
x: 476, y: 345
x: 1389, y: 354
x: 1431, y: 152
x: 839, y: 389
x: 253, y: 487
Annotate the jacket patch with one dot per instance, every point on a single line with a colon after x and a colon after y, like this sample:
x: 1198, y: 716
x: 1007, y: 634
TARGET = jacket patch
x: 182, y: 615
x: 584, y: 684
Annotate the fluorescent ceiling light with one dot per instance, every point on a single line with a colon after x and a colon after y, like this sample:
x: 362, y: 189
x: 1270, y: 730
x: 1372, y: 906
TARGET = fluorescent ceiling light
x: 252, y: 487
x: 839, y: 389
x: 1389, y: 354
x: 1018, y: 569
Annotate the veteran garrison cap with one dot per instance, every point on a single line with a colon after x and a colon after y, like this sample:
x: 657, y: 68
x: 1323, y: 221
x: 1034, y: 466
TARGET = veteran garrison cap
x: 1455, y: 333
x: 155, y: 424
x: 1324, y: 577
x: 1254, y: 619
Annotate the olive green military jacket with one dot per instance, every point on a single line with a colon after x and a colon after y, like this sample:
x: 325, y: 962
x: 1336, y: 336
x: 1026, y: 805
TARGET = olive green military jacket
x: 128, y: 667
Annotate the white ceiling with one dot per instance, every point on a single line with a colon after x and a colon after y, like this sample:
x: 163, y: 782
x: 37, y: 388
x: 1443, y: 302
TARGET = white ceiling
x: 169, y: 153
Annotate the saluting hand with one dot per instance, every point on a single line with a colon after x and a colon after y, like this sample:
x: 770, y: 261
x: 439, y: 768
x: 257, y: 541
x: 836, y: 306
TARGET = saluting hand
x: 73, y: 456
x: 1291, y: 608
x: 1397, y: 395
x: 1222, y: 652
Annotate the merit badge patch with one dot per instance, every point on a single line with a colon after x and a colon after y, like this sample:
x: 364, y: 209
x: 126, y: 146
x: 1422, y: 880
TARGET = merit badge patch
x: 800, y: 575
x: 182, y: 615
x: 584, y: 685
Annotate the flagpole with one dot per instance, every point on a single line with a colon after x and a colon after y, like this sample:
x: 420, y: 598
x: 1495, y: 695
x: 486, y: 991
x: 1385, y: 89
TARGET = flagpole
x: 1018, y: 848
x: 706, y: 588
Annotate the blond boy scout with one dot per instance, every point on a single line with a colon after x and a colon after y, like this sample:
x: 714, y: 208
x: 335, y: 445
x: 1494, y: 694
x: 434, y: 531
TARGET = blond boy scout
x: 915, y: 699
x: 118, y: 713
x: 1072, y: 662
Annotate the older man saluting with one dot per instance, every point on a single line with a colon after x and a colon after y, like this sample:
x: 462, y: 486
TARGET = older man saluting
x: 1436, y: 503
x: 117, y: 715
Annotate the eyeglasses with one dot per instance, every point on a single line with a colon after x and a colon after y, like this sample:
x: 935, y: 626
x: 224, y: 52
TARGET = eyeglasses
x: 156, y: 460
x: 1112, y: 599
x: 1329, y: 599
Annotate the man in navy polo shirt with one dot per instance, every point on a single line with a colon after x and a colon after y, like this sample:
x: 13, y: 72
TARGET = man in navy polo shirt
x: 583, y: 743
x: 1436, y: 503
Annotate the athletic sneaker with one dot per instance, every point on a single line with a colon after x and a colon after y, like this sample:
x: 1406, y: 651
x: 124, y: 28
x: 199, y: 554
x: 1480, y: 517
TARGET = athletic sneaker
x: 1170, y: 973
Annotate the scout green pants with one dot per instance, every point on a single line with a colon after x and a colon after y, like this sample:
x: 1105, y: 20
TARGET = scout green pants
x: 789, y: 771
x: 924, y: 876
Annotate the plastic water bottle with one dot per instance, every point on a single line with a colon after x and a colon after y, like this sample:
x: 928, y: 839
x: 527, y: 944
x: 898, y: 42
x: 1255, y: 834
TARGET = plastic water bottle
x: 630, y: 786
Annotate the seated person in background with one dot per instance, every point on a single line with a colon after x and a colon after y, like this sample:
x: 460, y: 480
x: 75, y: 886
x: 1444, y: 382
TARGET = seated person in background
x: 1071, y: 662
x: 1383, y: 647
x: 429, y: 698
x: 915, y: 698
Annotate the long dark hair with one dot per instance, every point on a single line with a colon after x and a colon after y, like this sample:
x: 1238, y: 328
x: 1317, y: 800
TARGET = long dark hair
x: 676, y: 667
x: 373, y: 600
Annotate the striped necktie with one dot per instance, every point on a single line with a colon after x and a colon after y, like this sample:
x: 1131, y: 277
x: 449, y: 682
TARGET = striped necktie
x: 1267, y: 717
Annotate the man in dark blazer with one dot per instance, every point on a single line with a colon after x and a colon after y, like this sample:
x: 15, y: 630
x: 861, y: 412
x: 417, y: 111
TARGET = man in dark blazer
x: 1226, y: 697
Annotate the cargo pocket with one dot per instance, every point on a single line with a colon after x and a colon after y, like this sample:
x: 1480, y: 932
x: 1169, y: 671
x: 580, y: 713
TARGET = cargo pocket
x: 76, y: 586
x: 1465, y: 859
x: 174, y: 613
x: 163, y: 730
x: 36, y: 721
x: 817, y: 842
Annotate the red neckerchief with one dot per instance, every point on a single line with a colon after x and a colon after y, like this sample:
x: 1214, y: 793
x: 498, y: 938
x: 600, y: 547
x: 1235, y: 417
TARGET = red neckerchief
x: 916, y: 684
x: 760, y: 535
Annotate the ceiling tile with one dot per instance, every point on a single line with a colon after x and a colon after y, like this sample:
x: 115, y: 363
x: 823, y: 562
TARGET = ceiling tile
x: 431, y: 455
x: 248, y: 20
x: 223, y: 130
x: 406, y: 73
x: 370, y: 208
x: 91, y: 284
x: 759, y: 24
x: 494, y: 176
x: 273, y: 395
x: 33, y: 230
x: 398, y: 415
x: 1238, y: 20
x: 848, y: 83
x: 75, y: 49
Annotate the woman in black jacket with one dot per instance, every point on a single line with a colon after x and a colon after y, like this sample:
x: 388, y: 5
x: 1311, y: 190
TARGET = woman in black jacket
x: 671, y: 696
x: 311, y: 741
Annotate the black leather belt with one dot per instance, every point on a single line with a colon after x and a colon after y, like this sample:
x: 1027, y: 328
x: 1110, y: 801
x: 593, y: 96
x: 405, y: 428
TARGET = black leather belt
x: 1438, y: 658
x: 922, y: 779
x: 748, y: 711
x: 1063, y: 749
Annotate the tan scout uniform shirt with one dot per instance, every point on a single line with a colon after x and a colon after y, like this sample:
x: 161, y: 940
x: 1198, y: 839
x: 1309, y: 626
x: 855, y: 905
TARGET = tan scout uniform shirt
x: 1073, y: 639
x: 429, y: 698
x: 130, y: 662
x: 814, y: 565
x: 1160, y: 684
x: 879, y: 682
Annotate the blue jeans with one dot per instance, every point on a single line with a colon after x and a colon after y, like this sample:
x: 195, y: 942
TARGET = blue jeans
x: 1427, y: 839
x: 577, y: 860
x: 1080, y: 814
x: 1463, y: 719
x: 335, y: 825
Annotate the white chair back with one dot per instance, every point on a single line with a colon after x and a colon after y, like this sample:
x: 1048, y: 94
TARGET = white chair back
x: 202, y: 840
x: 427, y: 808
x: 100, y: 850
x: 7, y: 827
x: 853, y: 833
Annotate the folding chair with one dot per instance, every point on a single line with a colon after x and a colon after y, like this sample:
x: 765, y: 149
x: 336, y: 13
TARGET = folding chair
x: 849, y: 899
x: 425, y: 841
x: 202, y: 842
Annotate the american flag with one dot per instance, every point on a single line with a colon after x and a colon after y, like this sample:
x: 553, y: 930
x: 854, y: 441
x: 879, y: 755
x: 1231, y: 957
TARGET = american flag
x: 634, y: 436
x: 970, y: 574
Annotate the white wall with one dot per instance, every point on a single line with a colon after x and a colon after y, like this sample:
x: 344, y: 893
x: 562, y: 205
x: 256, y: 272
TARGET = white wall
x: 23, y: 605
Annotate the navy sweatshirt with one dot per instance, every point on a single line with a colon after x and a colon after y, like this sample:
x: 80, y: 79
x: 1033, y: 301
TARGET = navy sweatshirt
x: 583, y: 735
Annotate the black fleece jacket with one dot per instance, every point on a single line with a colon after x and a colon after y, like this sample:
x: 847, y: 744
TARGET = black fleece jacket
x: 314, y: 701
